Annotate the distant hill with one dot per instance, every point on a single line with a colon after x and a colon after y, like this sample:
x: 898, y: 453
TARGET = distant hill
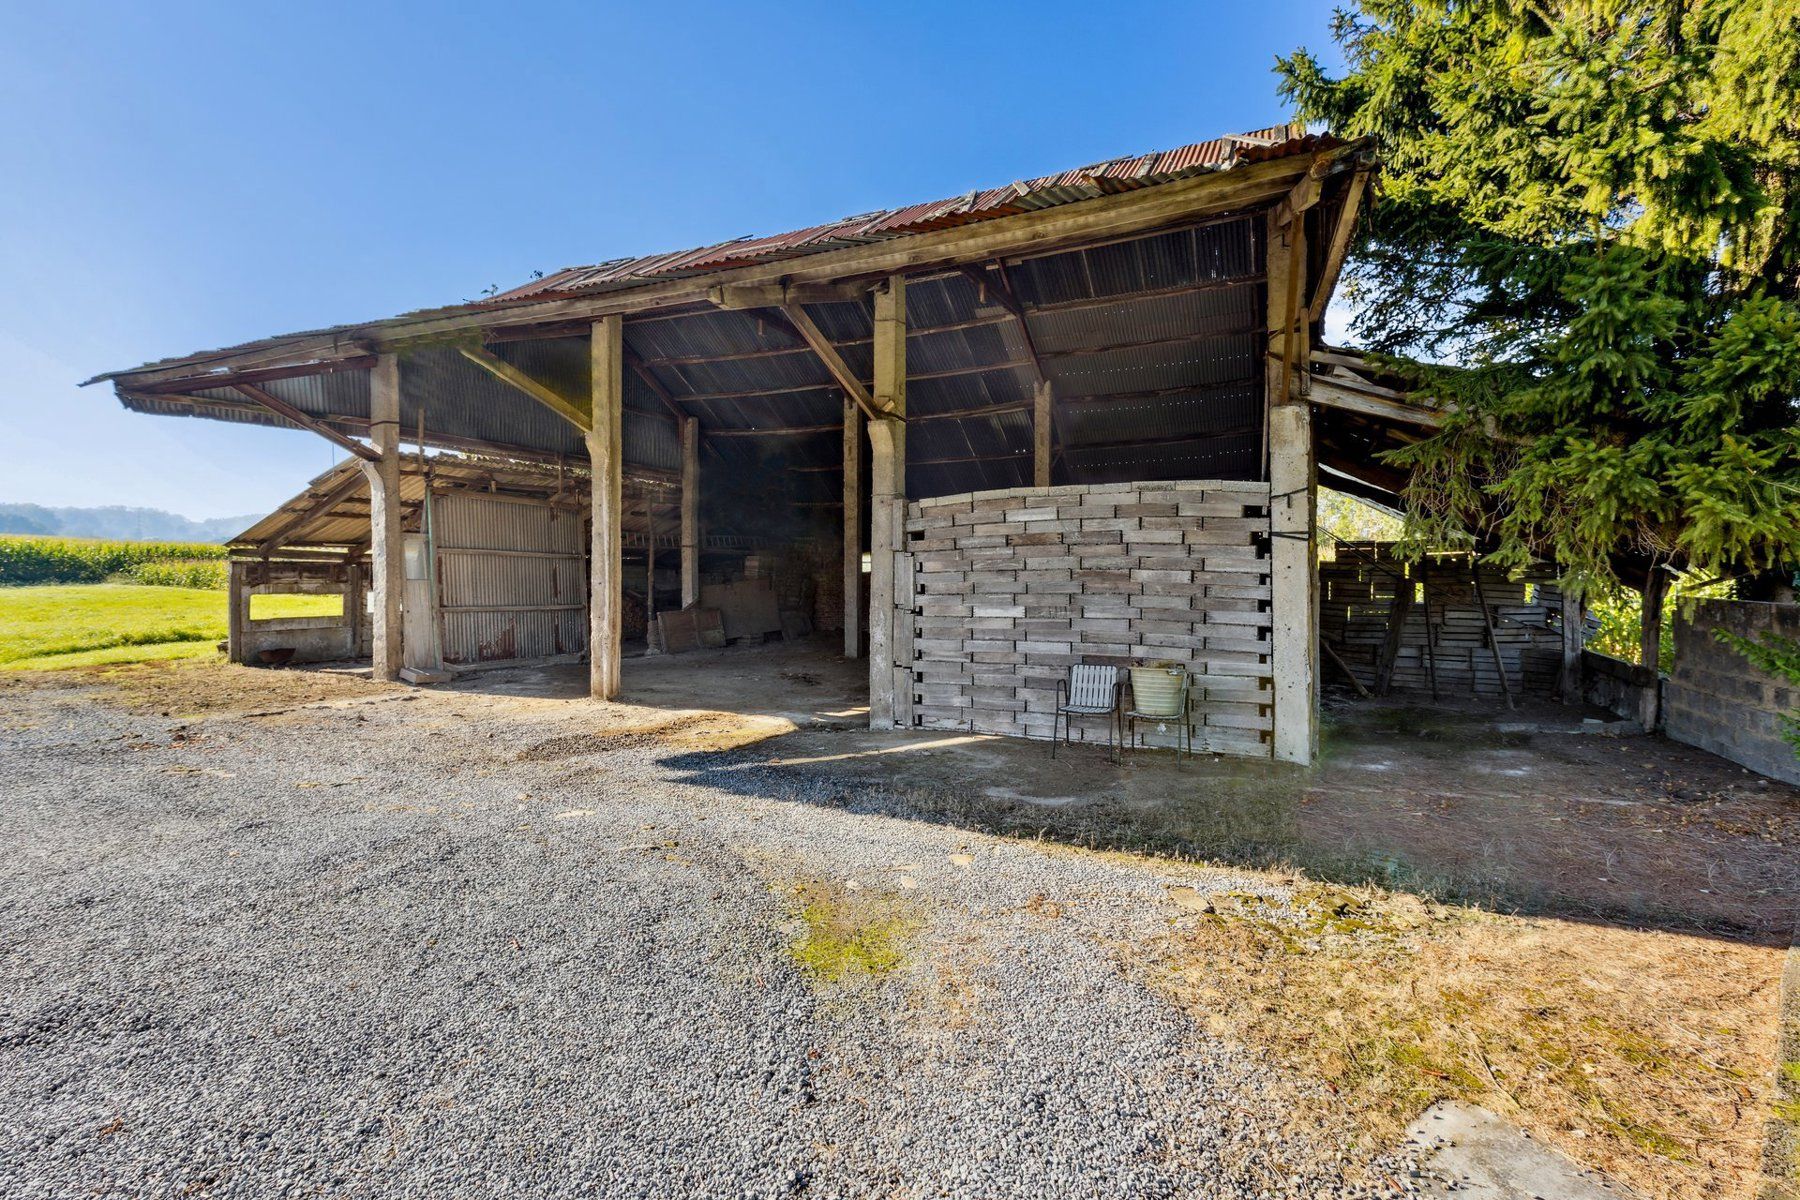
x: 117, y: 521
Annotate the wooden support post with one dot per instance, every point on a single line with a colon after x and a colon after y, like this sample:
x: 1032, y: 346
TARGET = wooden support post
x: 1487, y: 621
x: 353, y: 607
x: 607, y: 356
x: 235, y: 650
x: 387, y: 572
x: 1396, y: 634
x: 853, y: 527
x: 652, y: 636
x: 1430, y: 627
x: 1041, y: 409
x: 690, y: 511
x: 887, y: 492
x: 1656, y: 588
x: 1568, y: 682
x: 1293, y: 498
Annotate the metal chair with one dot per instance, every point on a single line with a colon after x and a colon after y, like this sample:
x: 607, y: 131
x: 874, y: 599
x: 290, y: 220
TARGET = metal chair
x: 1175, y: 709
x: 1088, y: 691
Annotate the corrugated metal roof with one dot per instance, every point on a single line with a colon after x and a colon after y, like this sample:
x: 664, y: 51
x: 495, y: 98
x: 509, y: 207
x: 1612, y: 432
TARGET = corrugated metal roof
x: 1065, y: 187
x: 1154, y: 343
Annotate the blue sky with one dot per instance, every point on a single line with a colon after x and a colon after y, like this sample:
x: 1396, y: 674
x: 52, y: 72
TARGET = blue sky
x: 186, y: 176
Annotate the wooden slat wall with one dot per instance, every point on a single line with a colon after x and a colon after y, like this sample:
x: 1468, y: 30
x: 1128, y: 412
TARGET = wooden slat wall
x: 1012, y: 587
x: 1357, y: 595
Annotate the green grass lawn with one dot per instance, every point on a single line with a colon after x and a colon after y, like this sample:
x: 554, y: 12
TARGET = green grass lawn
x: 81, y: 624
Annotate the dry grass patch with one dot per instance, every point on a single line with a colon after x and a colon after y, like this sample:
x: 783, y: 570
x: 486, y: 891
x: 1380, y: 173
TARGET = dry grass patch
x: 1647, y: 1055
x: 198, y: 686
x: 694, y: 732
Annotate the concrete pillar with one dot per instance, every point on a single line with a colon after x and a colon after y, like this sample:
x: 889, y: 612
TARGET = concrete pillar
x: 387, y: 572
x: 1041, y: 401
x: 690, y: 512
x: 605, y: 574
x: 853, y: 526
x: 1293, y: 500
x: 887, y: 492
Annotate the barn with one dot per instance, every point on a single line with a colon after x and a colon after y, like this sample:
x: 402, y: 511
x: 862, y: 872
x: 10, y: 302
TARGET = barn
x: 1075, y: 419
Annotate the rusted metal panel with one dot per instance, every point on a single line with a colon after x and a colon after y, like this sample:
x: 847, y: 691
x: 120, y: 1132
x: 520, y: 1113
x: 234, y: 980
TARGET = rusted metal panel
x: 1047, y: 191
x: 511, y: 636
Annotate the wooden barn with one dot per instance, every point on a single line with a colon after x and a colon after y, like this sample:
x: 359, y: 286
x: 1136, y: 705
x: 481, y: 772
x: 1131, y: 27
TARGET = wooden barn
x: 1073, y: 419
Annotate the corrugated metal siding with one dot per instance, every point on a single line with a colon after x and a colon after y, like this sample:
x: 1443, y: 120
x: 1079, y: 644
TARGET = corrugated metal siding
x: 512, y: 636
x: 508, y: 592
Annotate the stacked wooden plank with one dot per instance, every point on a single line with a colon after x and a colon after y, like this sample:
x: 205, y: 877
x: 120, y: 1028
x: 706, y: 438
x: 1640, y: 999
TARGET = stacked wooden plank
x: 1010, y: 588
x: 1443, y: 630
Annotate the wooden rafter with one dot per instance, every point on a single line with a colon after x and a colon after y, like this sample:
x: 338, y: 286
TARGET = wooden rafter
x: 1044, y: 439
x: 1339, y: 247
x: 306, y: 420
x: 305, y: 519
x: 643, y: 372
x: 786, y: 431
x: 1330, y: 392
x: 834, y: 362
x: 360, y: 362
x: 994, y: 282
x: 1049, y: 229
x: 575, y: 414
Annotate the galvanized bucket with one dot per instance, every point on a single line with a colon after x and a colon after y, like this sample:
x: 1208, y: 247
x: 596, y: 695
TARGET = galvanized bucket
x: 1156, y: 691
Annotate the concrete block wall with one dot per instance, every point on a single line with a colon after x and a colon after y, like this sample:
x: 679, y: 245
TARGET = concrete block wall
x: 312, y: 639
x: 1716, y: 700
x: 1010, y: 588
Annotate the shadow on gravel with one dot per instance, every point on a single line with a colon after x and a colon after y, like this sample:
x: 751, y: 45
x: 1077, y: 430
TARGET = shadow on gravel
x: 1513, y: 817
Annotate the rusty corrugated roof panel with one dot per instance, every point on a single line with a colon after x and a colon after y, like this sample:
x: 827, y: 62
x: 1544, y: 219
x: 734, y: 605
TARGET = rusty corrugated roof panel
x: 1047, y: 191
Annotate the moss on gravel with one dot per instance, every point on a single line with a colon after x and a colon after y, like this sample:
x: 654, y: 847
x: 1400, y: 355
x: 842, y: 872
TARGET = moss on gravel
x: 849, y: 933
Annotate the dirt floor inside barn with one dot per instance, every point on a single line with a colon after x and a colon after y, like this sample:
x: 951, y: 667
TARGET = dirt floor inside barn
x: 295, y: 929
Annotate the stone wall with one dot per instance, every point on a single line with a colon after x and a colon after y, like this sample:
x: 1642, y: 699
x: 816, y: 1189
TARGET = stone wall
x: 1010, y: 588
x: 1716, y: 700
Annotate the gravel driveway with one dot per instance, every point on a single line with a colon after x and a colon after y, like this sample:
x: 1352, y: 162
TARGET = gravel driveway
x: 437, y: 945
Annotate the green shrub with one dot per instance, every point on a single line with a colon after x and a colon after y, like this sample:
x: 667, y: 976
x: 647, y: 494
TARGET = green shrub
x: 177, y: 572
x: 38, y: 560
x: 1620, y: 612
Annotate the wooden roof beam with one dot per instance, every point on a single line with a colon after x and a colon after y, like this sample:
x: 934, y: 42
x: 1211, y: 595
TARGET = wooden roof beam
x: 1339, y: 247
x: 306, y: 420
x: 1328, y: 392
x: 301, y: 521
x: 360, y: 362
x: 575, y: 414
x: 781, y: 293
x: 643, y: 372
x: 834, y: 362
x: 1049, y: 229
x: 1000, y: 288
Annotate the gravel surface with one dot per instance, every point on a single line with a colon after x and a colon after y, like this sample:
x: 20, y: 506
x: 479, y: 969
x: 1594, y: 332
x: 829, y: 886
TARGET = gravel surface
x: 440, y: 945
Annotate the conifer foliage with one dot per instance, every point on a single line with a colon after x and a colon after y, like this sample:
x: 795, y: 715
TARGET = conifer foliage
x: 1588, y: 231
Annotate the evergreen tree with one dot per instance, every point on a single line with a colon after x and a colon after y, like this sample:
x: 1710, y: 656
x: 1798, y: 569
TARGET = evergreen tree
x: 1588, y: 216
